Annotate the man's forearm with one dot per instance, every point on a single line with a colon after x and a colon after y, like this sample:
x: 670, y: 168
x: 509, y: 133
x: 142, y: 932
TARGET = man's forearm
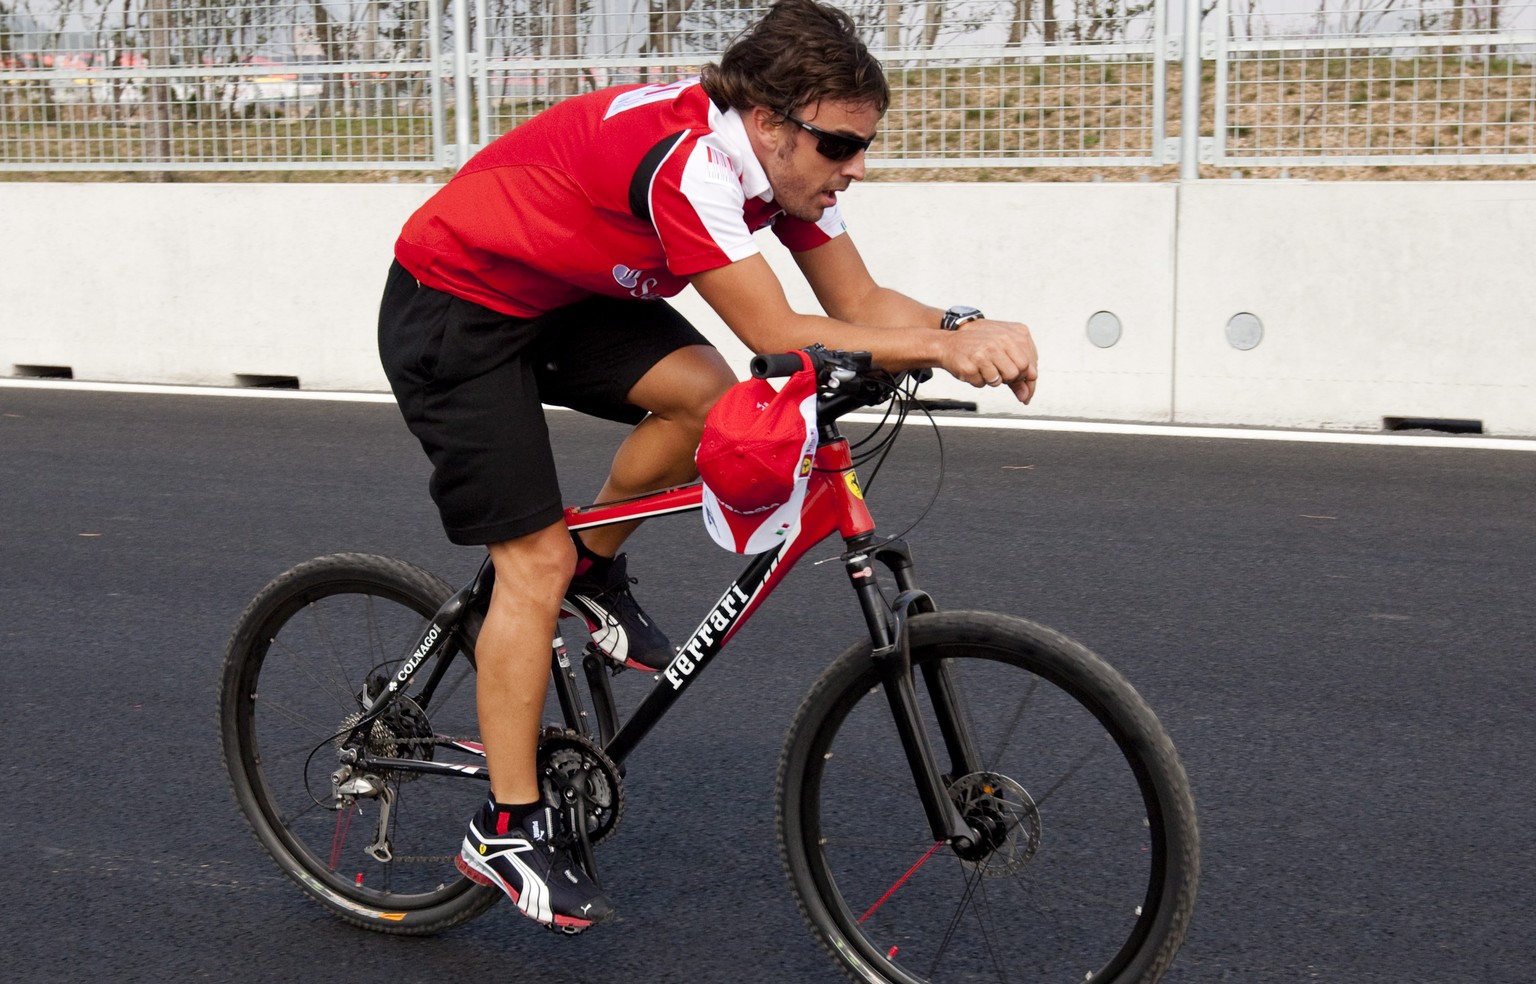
x: 884, y: 307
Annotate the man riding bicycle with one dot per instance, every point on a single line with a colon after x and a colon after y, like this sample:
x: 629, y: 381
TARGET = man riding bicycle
x: 537, y: 275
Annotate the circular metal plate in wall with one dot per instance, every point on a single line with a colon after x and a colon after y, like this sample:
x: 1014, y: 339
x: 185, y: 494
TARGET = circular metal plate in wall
x: 1244, y: 331
x: 1103, y: 329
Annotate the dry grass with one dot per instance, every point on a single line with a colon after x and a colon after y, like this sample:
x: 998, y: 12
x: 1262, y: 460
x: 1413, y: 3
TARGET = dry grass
x: 1451, y: 111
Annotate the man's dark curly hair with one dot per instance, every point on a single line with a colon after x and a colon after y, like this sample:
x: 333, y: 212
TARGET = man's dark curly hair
x: 800, y: 52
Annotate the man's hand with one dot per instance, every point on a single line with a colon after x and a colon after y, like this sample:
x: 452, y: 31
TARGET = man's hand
x: 994, y: 353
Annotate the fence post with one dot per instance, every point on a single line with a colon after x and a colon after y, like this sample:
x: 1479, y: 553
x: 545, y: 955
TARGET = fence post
x: 463, y: 88
x: 157, y: 131
x: 1189, y: 114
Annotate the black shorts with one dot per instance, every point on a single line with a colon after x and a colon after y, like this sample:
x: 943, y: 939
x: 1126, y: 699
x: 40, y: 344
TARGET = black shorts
x: 470, y: 382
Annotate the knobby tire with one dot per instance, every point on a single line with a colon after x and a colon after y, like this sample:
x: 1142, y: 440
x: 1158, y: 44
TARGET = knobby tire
x: 1093, y: 859
x: 300, y: 656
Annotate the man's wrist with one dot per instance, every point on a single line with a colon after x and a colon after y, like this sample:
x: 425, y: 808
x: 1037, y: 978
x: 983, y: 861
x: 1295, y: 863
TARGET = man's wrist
x: 959, y: 315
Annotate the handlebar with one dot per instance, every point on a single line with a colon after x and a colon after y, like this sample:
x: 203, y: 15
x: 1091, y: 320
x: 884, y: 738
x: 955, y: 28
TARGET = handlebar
x: 825, y: 361
x: 845, y: 381
x: 776, y: 365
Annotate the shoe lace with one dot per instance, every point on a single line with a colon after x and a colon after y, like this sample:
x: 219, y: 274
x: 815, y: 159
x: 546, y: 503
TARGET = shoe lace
x: 616, y: 585
x: 620, y: 590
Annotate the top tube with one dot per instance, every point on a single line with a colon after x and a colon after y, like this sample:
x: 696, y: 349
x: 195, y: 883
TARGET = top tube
x: 833, y: 501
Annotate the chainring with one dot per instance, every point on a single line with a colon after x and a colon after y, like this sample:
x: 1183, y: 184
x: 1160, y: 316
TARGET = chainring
x: 570, y: 765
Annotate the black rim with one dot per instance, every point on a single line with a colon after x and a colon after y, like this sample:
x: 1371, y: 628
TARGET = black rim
x: 919, y: 911
x: 422, y: 875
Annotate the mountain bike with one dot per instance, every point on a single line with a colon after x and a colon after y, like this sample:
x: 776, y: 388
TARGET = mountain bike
x: 962, y: 796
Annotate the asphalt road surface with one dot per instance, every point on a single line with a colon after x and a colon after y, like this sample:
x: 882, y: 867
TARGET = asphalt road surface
x: 1338, y: 638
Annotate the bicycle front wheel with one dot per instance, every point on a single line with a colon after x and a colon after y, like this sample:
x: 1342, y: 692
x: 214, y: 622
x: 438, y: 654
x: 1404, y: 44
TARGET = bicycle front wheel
x: 1089, y: 856
x: 309, y: 650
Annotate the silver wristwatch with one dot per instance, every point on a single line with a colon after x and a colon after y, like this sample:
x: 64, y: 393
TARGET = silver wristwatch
x: 959, y: 315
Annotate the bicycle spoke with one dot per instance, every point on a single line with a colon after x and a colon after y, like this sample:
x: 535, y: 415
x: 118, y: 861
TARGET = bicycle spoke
x: 983, y: 914
x: 339, y: 838
x: 290, y: 817
x: 899, y: 783
x: 348, y: 691
x: 880, y: 847
x: 1056, y: 883
x: 1089, y: 756
x: 954, y: 921
x: 1013, y: 724
x: 454, y: 684
x: 311, y: 726
x: 901, y: 881
x: 302, y: 663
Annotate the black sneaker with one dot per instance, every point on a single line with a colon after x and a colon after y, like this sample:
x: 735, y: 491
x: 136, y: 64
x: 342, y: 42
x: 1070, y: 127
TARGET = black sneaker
x: 619, y: 628
x: 540, y: 877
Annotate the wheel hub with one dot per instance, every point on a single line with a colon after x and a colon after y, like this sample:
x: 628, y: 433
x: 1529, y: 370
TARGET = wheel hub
x: 1005, y: 816
x: 402, y: 731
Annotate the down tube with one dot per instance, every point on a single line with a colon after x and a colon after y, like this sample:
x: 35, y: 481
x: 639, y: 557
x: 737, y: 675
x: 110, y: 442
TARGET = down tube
x: 740, y: 601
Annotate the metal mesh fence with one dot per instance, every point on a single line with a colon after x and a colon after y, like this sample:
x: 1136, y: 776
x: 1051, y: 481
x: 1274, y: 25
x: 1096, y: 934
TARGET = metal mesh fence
x: 1374, y: 82
x: 1078, y: 104
x: 377, y: 84
x: 987, y: 82
x: 200, y: 84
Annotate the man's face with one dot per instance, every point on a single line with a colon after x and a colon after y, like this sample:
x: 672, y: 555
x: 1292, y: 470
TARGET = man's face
x: 805, y: 182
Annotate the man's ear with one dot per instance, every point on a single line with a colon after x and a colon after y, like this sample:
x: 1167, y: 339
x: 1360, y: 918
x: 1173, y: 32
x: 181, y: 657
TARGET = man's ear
x: 765, y: 127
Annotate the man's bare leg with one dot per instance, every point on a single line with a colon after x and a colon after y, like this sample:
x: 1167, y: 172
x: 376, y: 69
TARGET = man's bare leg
x: 512, y: 655
x: 678, y: 391
x: 514, y: 842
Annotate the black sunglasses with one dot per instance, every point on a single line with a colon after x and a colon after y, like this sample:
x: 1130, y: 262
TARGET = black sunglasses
x: 832, y: 146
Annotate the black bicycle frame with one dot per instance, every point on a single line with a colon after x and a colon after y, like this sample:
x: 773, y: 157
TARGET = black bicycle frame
x: 888, y: 635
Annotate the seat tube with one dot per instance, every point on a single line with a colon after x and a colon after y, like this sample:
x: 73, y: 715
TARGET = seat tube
x: 563, y: 678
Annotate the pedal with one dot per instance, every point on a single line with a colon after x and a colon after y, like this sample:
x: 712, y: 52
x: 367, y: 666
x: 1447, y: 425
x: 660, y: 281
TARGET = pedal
x: 560, y: 930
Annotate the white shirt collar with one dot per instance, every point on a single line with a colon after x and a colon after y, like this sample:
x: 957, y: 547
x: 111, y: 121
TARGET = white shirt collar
x: 732, y: 131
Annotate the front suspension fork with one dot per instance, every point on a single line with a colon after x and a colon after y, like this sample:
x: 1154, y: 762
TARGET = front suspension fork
x: 892, y: 656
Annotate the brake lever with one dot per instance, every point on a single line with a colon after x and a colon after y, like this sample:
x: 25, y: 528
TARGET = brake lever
x: 837, y: 377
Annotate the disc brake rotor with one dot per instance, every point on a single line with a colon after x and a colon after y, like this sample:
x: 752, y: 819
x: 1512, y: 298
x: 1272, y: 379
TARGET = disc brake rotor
x: 1006, y: 817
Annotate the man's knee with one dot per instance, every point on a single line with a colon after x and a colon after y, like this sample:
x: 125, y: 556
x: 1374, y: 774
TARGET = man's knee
x: 535, y: 568
x: 684, y: 386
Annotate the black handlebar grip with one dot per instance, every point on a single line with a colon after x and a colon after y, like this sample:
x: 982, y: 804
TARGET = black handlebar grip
x: 773, y: 366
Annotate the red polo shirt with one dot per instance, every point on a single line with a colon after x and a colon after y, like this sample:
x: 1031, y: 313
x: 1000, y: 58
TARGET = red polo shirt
x: 552, y: 211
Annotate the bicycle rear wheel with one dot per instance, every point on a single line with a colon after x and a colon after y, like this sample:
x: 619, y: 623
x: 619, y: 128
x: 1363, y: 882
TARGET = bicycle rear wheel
x: 302, y: 656
x: 1090, y: 857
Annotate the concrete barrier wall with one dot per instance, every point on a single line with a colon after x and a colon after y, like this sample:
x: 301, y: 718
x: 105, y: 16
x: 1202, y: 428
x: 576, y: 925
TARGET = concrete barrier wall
x: 1375, y: 300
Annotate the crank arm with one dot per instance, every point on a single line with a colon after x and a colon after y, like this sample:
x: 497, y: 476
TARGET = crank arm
x: 576, y: 821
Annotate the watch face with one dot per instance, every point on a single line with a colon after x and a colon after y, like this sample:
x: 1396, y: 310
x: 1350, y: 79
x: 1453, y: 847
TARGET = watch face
x: 959, y: 315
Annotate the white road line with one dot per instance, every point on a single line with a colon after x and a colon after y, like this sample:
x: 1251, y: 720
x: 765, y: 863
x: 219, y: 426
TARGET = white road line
x: 1469, y: 442
x: 160, y: 389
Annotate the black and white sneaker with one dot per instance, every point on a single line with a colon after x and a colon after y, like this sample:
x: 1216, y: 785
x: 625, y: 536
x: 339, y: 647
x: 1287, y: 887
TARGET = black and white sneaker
x: 539, y: 876
x: 618, y: 627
